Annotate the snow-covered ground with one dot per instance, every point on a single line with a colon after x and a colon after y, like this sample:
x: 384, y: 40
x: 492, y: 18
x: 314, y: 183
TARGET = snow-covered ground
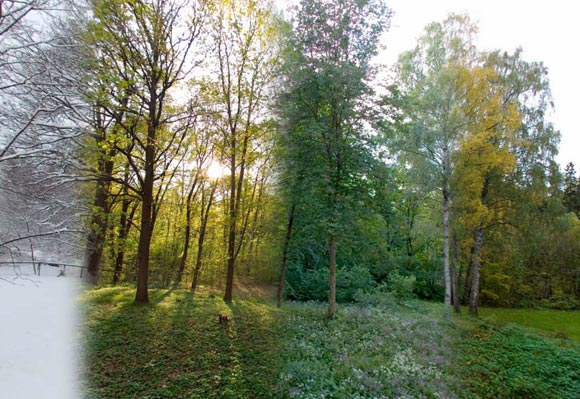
x: 38, y: 334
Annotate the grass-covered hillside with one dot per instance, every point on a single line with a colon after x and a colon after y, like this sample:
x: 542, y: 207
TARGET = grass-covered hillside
x: 176, y: 348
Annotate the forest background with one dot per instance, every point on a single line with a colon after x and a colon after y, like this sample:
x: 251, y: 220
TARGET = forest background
x: 174, y: 144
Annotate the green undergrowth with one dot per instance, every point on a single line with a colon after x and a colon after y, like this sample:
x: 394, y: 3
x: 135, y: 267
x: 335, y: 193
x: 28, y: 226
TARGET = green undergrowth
x: 176, y: 348
x: 368, y: 352
x: 511, y: 362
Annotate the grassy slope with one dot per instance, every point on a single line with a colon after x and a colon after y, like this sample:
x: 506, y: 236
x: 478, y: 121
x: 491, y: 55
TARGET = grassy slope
x: 175, y: 348
x: 560, y: 323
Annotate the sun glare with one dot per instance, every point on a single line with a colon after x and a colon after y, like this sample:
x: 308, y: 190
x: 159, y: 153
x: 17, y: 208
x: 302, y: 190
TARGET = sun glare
x: 215, y: 170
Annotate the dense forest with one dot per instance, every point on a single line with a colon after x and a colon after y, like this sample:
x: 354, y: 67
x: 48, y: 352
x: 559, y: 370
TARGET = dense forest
x: 220, y: 143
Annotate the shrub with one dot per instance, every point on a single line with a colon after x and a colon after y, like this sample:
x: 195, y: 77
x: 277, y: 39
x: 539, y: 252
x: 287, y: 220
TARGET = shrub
x: 353, y: 280
x: 312, y: 285
x: 306, y: 284
x: 561, y: 303
x: 427, y: 290
x: 379, y: 297
x: 401, y: 286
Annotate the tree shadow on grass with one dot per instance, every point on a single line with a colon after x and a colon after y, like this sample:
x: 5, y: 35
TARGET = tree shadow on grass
x: 175, y: 347
x: 208, y: 359
x: 120, y: 342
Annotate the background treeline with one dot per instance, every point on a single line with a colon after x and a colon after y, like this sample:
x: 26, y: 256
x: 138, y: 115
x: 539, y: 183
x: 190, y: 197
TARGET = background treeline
x: 226, y: 142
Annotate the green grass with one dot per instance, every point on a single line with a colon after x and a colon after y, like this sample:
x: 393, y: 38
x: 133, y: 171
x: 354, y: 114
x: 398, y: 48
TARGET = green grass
x: 502, y: 362
x: 175, y: 348
x: 558, y: 323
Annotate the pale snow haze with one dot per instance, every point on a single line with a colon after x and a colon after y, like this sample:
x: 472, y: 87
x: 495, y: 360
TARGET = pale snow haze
x: 38, y: 335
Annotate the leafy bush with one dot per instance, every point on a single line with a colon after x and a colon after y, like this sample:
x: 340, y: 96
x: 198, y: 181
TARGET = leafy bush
x: 498, y: 286
x: 379, y: 297
x: 561, y: 303
x: 306, y: 284
x: 312, y: 285
x: 427, y: 290
x: 353, y: 280
x: 489, y: 298
x: 397, y: 291
x: 401, y: 286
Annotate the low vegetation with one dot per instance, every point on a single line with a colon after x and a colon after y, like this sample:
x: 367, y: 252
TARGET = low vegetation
x: 510, y: 362
x: 558, y: 323
x: 176, y: 347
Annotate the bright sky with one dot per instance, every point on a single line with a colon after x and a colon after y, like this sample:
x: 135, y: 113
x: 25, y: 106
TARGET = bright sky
x: 547, y: 31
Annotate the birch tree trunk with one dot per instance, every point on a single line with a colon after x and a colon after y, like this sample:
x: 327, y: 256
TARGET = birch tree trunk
x: 455, y: 276
x: 446, y: 269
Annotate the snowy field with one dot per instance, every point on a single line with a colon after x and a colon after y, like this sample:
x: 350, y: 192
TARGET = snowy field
x: 38, y: 334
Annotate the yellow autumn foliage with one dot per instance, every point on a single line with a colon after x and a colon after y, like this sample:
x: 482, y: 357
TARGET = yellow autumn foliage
x: 483, y: 157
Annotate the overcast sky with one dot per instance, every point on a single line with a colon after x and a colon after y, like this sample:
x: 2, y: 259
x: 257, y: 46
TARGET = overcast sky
x: 547, y: 31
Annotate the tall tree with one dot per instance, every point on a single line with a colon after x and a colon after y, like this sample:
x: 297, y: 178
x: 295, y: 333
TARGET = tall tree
x: 483, y: 159
x: 506, y: 140
x: 326, y: 86
x: 29, y: 57
x: 127, y: 214
x: 202, y: 149
x: 430, y: 78
x: 144, y: 48
x: 528, y: 192
x: 207, y: 200
x: 571, y: 198
x: 243, y: 37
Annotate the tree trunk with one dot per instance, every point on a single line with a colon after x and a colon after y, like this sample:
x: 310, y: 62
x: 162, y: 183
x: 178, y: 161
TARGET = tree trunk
x: 282, y: 280
x: 455, y: 277
x: 476, y: 253
x: 186, y: 238
x: 230, y: 267
x: 186, y: 241
x: 332, y: 280
x: 124, y: 226
x: 28, y: 231
x: 119, y: 260
x: 201, y: 239
x: 446, y: 269
x: 231, y: 234
x: 142, y: 294
x: 198, y: 261
x: 252, y: 243
x: 475, y: 268
x: 99, y: 222
x: 467, y: 281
